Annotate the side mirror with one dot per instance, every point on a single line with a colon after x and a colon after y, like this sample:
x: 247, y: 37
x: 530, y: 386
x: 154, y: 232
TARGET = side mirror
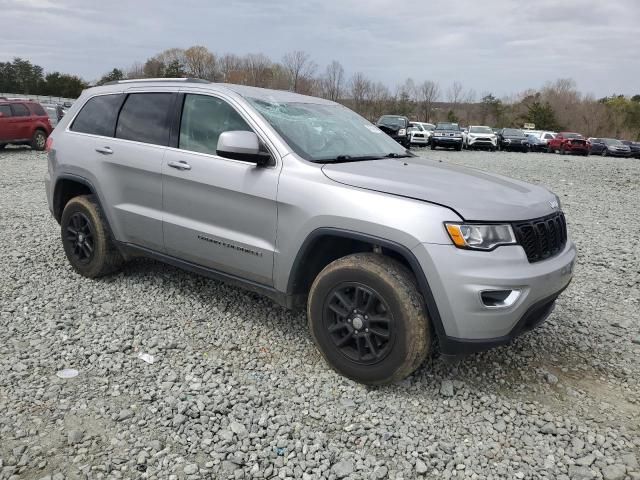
x: 241, y: 145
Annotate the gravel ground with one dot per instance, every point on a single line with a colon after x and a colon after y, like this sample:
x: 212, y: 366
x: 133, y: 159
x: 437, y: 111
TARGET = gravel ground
x: 237, y: 389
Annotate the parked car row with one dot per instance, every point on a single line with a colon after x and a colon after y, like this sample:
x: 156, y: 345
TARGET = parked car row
x: 453, y: 136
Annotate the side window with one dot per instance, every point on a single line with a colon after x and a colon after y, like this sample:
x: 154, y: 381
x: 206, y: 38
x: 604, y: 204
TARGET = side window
x: 19, y: 110
x: 98, y: 116
x: 204, y: 118
x: 37, y: 109
x: 5, y: 110
x: 144, y: 118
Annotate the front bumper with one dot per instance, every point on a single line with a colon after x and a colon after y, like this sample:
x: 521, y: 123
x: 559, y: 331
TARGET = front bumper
x: 450, y: 141
x: 457, y: 277
x: 481, y: 142
x: 420, y: 140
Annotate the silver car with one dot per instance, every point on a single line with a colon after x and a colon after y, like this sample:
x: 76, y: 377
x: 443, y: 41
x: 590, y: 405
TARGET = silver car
x: 305, y: 201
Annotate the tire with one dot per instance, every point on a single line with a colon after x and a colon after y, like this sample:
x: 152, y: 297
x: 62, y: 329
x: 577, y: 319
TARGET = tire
x: 433, y: 146
x: 604, y: 152
x: 86, y: 238
x: 39, y: 140
x: 338, y: 299
x: 2, y: 145
x: 459, y: 148
x: 562, y: 152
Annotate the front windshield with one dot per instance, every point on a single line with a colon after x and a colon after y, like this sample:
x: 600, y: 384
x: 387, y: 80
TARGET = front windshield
x: 324, y: 132
x: 480, y: 130
x: 513, y: 132
x: 392, y: 121
x: 612, y: 141
x: 447, y: 126
x: 418, y: 127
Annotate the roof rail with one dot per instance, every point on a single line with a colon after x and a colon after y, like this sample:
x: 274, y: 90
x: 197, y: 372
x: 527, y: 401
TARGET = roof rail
x: 135, y: 80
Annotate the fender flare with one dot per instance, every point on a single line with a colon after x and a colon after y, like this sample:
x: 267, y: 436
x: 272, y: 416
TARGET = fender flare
x: 403, y: 251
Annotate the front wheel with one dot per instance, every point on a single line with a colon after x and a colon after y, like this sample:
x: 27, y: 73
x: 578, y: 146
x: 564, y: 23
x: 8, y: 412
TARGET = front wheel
x: 604, y: 152
x: 368, y: 319
x: 86, y: 239
x: 433, y: 146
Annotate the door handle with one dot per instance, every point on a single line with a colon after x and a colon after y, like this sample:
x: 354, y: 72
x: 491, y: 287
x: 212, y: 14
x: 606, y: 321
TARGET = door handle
x: 104, y: 150
x: 181, y: 165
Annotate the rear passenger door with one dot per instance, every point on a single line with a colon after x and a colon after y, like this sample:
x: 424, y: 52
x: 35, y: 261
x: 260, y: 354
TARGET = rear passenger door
x: 127, y: 135
x: 133, y: 167
x: 219, y: 212
x: 21, y: 121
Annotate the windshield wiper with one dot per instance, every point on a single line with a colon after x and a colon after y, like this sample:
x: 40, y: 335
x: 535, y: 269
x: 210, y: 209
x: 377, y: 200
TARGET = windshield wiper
x: 348, y: 158
x: 399, y: 155
x: 359, y: 158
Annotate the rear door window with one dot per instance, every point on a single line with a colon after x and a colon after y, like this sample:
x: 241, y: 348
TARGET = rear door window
x: 99, y: 115
x: 145, y: 118
x: 5, y: 110
x: 204, y: 118
x: 19, y: 110
x: 37, y: 109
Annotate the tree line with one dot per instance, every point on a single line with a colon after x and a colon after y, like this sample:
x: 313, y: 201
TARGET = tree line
x: 558, y: 105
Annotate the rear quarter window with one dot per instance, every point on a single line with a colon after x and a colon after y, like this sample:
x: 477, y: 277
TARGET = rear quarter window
x: 145, y: 118
x: 37, y: 109
x: 98, y: 116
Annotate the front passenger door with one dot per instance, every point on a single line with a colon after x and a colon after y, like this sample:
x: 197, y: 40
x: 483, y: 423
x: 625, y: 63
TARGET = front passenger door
x: 218, y: 212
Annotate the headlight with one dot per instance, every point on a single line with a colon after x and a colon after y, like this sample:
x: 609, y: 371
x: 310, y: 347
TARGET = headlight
x: 507, y: 140
x: 402, y: 131
x: 480, y: 237
x: 437, y: 134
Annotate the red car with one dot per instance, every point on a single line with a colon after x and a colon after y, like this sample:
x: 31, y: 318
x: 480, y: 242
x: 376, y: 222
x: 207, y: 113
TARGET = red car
x: 569, y: 142
x: 23, y: 122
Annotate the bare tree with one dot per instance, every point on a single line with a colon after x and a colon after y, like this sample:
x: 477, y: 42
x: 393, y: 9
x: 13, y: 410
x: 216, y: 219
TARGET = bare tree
x: 200, y: 63
x: 135, y: 71
x: 359, y: 88
x: 258, y: 67
x: 300, y: 68
x: 454, y: 94
x: 333, y: 80
x: 230, y: 68
x: 379, y: 97
x: 428, y: 94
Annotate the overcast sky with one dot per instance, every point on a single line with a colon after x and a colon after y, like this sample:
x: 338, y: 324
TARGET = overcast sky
x: 498, y: 46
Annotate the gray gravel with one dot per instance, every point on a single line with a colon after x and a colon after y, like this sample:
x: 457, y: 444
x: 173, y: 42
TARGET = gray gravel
x: 237, y: 390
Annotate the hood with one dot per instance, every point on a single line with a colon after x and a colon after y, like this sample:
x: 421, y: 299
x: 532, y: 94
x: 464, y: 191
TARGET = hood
x: 389, y: 129
x: 515, y: 137
x: 473, y: 194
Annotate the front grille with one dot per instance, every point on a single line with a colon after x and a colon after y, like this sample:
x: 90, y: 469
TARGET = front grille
x: 578, y: 142
x: 543, y: 237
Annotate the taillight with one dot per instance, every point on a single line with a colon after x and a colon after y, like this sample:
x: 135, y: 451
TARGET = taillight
x: 49, y: 144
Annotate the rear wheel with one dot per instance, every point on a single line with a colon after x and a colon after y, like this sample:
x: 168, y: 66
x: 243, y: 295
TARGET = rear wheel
x: 86, y: 239
x: 39, y: 140
x: 368, y: 319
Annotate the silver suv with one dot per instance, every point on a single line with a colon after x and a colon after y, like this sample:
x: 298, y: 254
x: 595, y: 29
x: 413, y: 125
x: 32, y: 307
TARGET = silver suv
x: 303, y: 200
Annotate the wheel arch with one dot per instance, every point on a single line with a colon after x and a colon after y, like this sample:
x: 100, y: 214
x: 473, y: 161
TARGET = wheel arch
x: 324, y: 245
x: 67, y: 187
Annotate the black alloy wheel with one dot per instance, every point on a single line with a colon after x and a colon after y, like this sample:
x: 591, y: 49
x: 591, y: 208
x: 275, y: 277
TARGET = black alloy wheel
x: 359, y: 323
x: 80, y: 236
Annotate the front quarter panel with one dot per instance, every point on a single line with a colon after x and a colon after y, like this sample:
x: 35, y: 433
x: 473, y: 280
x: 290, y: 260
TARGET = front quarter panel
x: 308, y: 200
